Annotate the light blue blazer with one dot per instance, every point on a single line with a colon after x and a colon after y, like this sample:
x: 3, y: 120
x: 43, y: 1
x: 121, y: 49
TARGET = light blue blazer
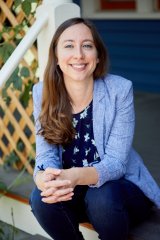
x: 113, y: 126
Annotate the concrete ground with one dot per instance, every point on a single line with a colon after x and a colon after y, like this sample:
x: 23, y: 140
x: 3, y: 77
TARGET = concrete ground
x: 147, y: 143
x: 147, y: 131
x: 8, y: 232
x: 11, y: 233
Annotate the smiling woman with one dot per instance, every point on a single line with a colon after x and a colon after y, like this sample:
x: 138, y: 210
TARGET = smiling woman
x: 77, y: 59
x: 86, y: 168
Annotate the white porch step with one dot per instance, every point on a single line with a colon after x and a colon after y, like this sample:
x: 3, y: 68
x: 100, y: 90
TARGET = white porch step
x: 25, y: 221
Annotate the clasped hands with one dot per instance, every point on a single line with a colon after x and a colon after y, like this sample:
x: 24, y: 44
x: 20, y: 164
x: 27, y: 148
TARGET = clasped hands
x: 56, y: 184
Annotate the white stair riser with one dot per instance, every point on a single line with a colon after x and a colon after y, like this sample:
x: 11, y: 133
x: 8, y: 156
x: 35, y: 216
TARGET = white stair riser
x: 25, y: 221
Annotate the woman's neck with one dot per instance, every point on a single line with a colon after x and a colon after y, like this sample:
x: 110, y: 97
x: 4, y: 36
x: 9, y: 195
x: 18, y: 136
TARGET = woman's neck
x: 81, y: 94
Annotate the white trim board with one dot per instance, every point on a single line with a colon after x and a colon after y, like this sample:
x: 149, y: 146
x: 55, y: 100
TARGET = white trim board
x: 25, y: 221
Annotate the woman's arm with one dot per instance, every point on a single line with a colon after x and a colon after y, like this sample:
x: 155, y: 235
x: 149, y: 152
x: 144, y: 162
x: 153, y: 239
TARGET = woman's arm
x: 61, y: 188
x: 76, y: 176
x: 120, y: 131
x: 47, y: 155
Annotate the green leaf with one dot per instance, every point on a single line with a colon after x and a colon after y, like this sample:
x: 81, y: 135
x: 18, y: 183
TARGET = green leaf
x: 26, y: 6
x: 4, y: 93
x: 33, y: 1
x: 17, y: 83
x: 9, y: 82
x: 12, y: 77
x: 15, y: 80
x: 24, y: 72
x: 6, y: 50
x: 25, y: 96
x: 17, y: 3
x: 18, y: 28
x: 5, y: 96
x: 10, y: 159
x: 20, y: 146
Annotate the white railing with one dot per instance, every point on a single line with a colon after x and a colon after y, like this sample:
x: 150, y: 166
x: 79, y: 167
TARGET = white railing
x: 21, y: 49
x: 46, y: 22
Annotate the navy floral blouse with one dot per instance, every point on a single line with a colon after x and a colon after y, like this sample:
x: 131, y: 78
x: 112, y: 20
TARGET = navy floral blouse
x: 81, y: 152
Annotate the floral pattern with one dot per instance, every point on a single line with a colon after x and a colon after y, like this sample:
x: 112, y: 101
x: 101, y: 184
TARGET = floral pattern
x: 82, y: 151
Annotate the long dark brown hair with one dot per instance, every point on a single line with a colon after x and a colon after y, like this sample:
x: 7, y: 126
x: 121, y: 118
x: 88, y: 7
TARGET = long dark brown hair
x: 56, y: 113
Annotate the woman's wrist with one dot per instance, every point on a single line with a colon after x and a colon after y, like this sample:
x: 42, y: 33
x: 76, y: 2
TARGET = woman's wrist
x: 38, y: 179
x: 38, y: 174
x: 86, y: 175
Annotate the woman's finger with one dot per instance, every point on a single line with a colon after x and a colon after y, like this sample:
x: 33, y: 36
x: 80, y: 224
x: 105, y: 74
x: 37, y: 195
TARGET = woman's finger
x: 62, y: 192
x: 48, y: 177
x: 54, y: 199
x: 57, y: 183
x: 56, y: 192
x: 53, y: 171
x: 48, y: 192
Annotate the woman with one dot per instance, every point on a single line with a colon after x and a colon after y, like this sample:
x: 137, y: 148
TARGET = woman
x: 86, y: 168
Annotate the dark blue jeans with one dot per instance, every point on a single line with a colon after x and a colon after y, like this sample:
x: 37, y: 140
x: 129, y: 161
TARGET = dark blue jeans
x: 111, y: 209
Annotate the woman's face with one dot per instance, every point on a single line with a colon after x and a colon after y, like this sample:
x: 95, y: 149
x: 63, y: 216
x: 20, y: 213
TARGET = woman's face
x: 77, y: 54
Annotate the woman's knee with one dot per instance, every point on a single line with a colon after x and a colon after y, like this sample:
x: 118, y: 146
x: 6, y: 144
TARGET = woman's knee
x: 106, y: 211
x: 57, y: 219
x: 106, y: 198
x: 35, y: 199
x: 39, y: 208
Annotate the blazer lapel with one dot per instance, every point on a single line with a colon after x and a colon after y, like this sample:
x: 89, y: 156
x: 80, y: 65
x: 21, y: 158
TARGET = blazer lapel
x: 98, y: 115
x: 103, y: 115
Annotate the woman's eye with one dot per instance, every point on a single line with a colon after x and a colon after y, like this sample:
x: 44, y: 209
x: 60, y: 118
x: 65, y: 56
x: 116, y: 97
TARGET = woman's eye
x: 69, y: 46
x: 88, y: 46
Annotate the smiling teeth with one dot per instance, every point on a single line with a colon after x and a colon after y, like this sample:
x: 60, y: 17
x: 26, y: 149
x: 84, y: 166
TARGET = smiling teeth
x: 78, y: 65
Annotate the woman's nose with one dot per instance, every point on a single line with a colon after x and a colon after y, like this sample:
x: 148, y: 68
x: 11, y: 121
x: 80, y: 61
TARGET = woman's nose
x: 78, y: 53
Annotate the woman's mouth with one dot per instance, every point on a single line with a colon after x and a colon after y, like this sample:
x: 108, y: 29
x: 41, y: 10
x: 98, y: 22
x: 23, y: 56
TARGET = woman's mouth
x: 79, y: 66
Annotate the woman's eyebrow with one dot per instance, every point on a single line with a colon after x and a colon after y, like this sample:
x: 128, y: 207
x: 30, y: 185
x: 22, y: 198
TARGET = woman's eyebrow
x: 71, y: 40
x: 68, y: 40
x: 88, y: 40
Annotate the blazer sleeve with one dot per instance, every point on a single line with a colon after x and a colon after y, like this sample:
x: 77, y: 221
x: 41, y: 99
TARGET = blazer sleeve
x: 47, y: 155
x: 117, y: 147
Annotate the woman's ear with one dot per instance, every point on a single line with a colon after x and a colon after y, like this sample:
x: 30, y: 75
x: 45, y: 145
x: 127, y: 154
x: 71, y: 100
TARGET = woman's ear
x: 97, y: 60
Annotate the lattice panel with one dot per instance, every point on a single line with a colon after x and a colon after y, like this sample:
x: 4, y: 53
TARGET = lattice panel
x: 16, y: 125
x: 16, y: 128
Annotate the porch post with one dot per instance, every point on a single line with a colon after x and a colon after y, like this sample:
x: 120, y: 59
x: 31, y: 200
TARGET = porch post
x: 58, y: 11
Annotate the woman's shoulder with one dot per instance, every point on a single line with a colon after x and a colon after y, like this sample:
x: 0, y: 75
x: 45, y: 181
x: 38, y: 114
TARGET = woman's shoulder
x: 117, y: 85
x: 37, y: 90
x: 38, y: 87
x: 114, y: 85
x: 116, y: 81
